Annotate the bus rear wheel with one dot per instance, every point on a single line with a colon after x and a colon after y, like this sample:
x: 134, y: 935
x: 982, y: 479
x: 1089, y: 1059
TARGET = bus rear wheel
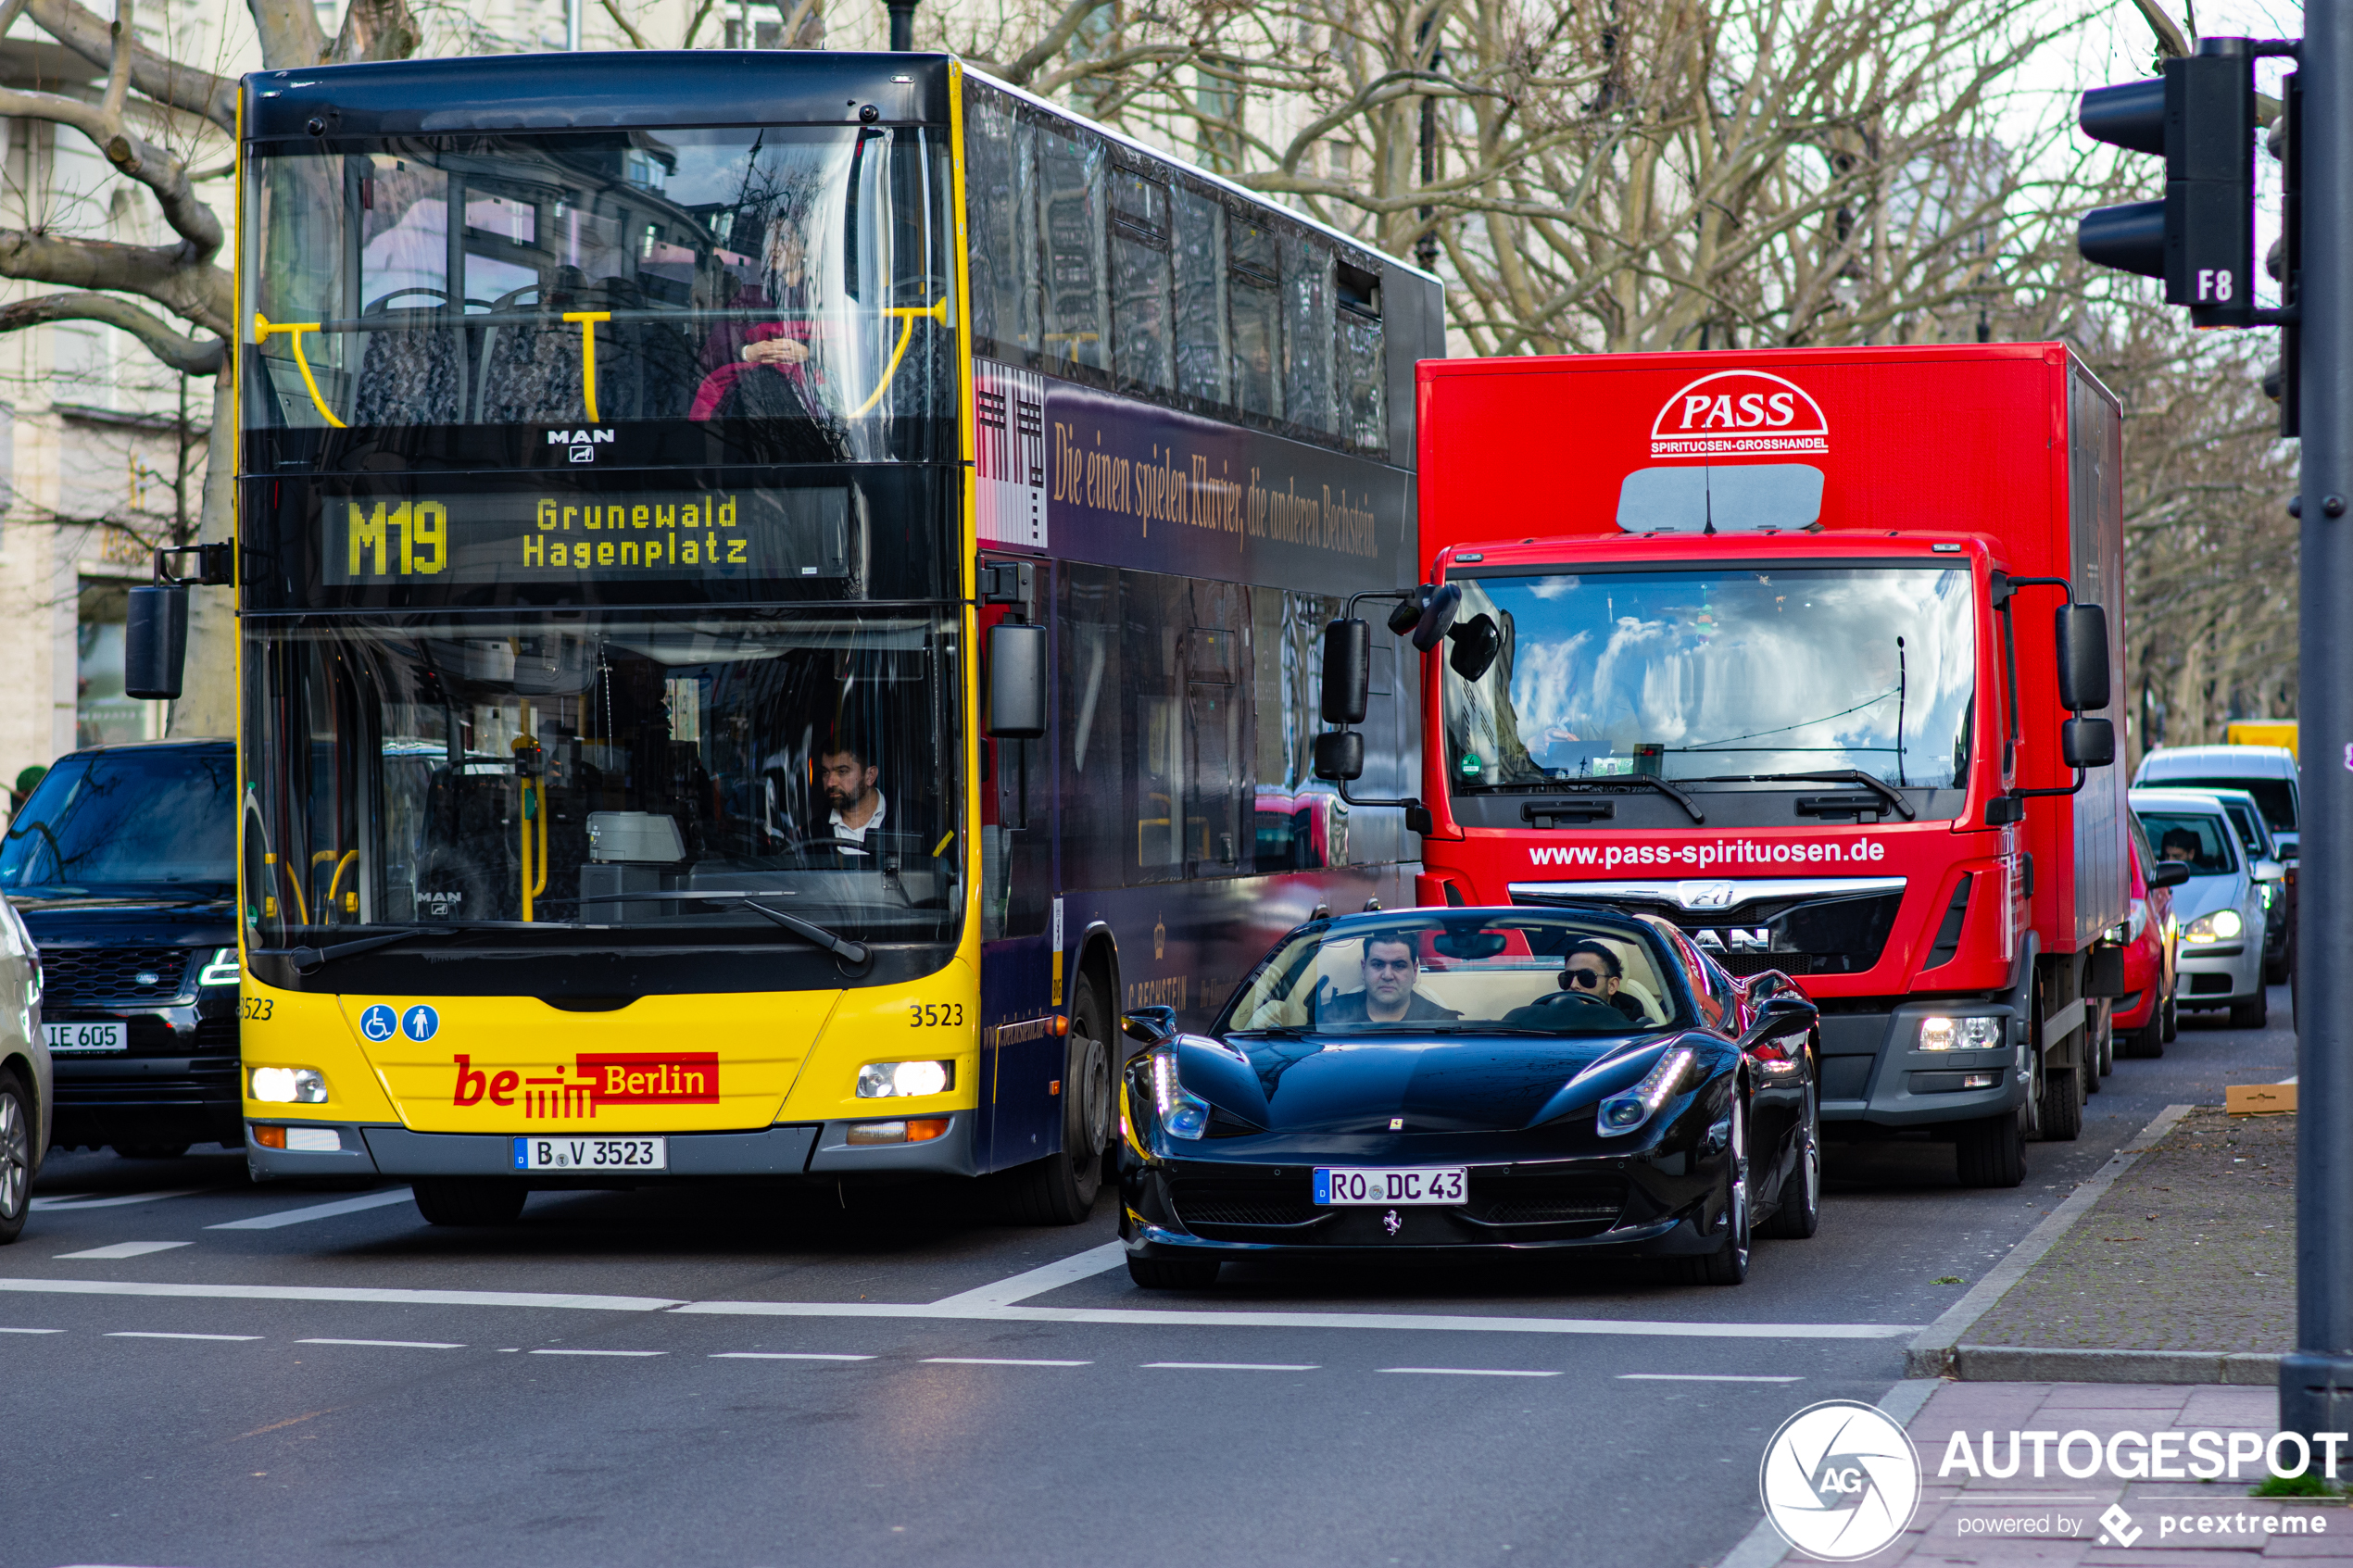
x: 459, y: 1201
x: 1061, y: 1188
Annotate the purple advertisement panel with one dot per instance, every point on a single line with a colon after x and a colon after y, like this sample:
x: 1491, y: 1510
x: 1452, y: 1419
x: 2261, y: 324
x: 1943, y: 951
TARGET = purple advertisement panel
x: 1130, y: 484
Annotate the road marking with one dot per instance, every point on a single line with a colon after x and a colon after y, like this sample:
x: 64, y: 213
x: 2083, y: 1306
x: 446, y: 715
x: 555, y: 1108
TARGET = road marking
x: 600, y: 1352
x: 1038, y: 1281
x: 782, y: 1356
x: 1226, y: 1366
x: 31, y: 1330
x: 993, y: 1361
x: 1466, y: 1371
x: 76, y: 1200
x: 128, y: 1249
x: 1699, y: 1378
x: 316, y: 1211
x: 149, y: 1333
x: 388, y: 1344
x: 344, y: 1292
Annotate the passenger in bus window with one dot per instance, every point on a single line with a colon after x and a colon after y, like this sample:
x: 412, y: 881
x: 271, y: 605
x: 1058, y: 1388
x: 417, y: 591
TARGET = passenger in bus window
x: 737, y: 352
x: 846, y: 774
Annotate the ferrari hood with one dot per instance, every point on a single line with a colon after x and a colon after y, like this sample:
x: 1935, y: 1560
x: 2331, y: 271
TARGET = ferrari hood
x: 1443, y: 1083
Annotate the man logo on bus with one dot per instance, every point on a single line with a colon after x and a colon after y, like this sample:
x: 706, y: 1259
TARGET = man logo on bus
x: 1738, y: 413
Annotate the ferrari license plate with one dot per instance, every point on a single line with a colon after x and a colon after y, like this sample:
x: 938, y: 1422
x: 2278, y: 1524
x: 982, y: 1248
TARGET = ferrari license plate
x: 592, y: 1154
x: 1420, y: 1184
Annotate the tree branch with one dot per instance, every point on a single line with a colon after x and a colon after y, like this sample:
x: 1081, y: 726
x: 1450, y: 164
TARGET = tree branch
x: 194, y: 356
x: 174, y: 276
x: 166, y: 81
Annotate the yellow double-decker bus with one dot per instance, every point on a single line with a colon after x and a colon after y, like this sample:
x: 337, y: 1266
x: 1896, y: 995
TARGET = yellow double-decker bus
x: 778, y: 594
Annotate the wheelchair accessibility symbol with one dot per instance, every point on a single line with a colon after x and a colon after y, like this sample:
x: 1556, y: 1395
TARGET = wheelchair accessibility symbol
x: 419, y: 1023
x: 377, y: 1024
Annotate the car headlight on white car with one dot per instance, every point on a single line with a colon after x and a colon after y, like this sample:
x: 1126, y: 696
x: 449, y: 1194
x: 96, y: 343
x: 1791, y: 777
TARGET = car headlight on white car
x: 2222, y: 925
x: 1939, y: 1034
x: 1623, y: 1113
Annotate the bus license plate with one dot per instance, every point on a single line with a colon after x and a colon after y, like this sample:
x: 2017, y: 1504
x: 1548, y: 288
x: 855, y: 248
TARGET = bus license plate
x: 88, y: 1038
x: 1345, y: 1184
x: 592, y: 1154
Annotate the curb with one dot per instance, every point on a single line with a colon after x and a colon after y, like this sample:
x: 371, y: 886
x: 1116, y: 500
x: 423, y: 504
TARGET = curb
x: 2010, y: 1364
x: 1930, y: 1353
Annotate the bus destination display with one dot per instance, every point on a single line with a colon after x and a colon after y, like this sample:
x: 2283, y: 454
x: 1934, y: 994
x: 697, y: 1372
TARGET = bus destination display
x: 645, y: 536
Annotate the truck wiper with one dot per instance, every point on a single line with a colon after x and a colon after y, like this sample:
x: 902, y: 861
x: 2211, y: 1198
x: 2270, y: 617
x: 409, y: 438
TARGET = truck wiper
x: 308, y: 961
x: 1652, y: 780
x: 1871, y: 782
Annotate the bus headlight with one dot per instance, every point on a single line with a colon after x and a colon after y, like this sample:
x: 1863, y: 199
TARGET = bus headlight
x: 1960, y: 1034
x: 222, y: 970
x: 289, y: 1085
x: 2222, y: 925
x: 889, y: 1080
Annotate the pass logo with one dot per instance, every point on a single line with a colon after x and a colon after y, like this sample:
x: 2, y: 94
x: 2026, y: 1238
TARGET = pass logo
x: 1739, y: 413
x: 597, y: 1078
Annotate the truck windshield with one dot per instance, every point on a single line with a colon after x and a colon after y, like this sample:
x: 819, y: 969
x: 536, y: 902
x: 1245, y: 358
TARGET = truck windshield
x: 1700, y: 674
x: 654, y: 779
x: 137, y: 823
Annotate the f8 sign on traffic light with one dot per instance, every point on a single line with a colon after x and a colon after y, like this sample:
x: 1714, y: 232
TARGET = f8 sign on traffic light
x: 2200, y: 117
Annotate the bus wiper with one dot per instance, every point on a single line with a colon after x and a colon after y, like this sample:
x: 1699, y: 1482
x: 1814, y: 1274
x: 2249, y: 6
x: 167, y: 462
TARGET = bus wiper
x: 808, y: 930
x: 840, y: 946
x: 1652, y: 780
x: 308, y: 961
x: 1871, y: 782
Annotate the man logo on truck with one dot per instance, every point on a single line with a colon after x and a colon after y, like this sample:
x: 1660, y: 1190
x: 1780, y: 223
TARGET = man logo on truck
x: 1739, y: 411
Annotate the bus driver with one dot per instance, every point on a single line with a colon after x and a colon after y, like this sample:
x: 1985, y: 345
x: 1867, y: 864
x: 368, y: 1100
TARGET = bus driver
x: 847, y: 775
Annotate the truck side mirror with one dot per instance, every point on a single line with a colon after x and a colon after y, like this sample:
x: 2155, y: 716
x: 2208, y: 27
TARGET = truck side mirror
x: 2087, y: 743
x: 1347, y: 675
x: 1016, y: 680
x: 1438, y: 617
x: 154, y: 653
x: 1340, y: 755
x: 2082, y: 633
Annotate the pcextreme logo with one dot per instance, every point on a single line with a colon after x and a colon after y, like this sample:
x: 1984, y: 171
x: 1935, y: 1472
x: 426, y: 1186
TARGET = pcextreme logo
x: 596, y: 1079
x: 1739, y: 413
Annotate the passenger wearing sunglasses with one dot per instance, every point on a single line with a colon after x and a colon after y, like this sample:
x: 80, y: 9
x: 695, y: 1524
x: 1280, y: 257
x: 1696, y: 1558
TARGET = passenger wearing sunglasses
x: 1389, y: 966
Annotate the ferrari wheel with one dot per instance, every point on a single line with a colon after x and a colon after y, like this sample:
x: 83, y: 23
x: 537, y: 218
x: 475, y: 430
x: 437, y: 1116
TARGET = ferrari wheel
x: 1173, y: 1273
x: 1799, y: 1212
x: 1729, y: 1263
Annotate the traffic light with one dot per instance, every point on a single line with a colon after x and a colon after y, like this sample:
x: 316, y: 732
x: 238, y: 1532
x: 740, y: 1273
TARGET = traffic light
x: 2200, y: 117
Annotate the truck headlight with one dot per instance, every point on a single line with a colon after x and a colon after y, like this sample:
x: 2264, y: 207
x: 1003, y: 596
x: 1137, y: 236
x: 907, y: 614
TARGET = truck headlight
x: 885, y: 1080
x: 1622, y: 1113
x: 1960, y: 1034
x: 289, y: 1085
x: 1183, y: 1113
x: 2222, y: 925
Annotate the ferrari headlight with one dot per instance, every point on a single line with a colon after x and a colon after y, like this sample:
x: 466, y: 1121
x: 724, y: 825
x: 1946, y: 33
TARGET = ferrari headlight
x: 1183, y: 1113
x: 1622, y: 1113
x: 2222, y: 925
x: 1960, y: 1034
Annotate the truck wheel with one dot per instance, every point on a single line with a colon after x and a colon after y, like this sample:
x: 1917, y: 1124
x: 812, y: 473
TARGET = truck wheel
x: 1173, y: 1273
x: 459, y: 1201
x: 1061, y: 1188
x: 1989, y: 1151
x: 2107, y: 1051
x: 2062, y: 1104
x: 2251, y: 1014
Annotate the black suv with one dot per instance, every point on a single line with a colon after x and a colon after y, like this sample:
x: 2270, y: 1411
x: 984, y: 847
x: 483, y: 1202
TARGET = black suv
x: 123, y: 864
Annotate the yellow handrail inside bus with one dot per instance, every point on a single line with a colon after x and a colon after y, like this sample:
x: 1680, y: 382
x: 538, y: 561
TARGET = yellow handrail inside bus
x: 587, y: 319
x: 293, y: 886
x: 263, y: 329
x: 936, y: 310
x: 349, y: 857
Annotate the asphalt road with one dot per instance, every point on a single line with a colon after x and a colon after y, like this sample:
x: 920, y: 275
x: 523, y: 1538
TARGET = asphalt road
x: 203, y: 1373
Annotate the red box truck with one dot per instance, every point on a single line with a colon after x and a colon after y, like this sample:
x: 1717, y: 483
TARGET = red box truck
x: 1807, y: 650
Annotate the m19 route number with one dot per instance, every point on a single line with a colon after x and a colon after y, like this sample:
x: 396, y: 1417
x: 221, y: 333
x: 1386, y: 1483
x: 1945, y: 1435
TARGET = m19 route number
x: 420, y: 529
x: 935, y: 1015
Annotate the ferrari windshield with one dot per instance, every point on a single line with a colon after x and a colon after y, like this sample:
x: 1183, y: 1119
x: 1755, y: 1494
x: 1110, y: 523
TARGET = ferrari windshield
x: 1706, y: 674
x: 648, y: 777
x: 1424, y: 974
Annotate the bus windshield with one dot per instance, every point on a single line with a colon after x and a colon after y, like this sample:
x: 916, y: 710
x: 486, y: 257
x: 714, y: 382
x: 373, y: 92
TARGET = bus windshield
x: 1709, y: 674
x: 639, y: 775
x: 792, y: 276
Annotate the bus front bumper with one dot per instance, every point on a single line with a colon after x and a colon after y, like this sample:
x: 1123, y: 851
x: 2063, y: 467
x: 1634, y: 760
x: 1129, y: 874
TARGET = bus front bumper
x: 806, y: 1149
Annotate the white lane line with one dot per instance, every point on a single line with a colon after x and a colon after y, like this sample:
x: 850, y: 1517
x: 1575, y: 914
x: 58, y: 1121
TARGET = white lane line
x: 388, y: 1344
x: 1226, y: 1366
x: 316, y: 1211
x: 349, y: 1293
x: 600, y: 1352
x: 31, y: 1330
x: 128, y: 1249
x: 1466, y: 1371
x: 994, y: 1360
x: 1038, y: 1281
x: 782, y: 1356
x: 1699, y: 1378
x: 148, y: 1334
x: 74, y: 1200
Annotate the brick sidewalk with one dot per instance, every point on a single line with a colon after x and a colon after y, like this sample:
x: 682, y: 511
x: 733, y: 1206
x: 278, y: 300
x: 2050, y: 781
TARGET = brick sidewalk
x: 1961, y: 1520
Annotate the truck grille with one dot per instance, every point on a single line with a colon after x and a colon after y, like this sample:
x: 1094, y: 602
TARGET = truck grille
x: 1820, y: 933
x: 87, y: 976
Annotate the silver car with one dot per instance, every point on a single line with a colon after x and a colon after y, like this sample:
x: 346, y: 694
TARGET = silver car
x: 2270, y: 876
x: 25, y: 1082
x: 2218, y: 911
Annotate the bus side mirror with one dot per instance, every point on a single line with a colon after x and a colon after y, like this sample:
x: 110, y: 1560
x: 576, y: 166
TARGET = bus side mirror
x: 1340, y: 755
x: 1016, y: 680
x: 2082, y: 633
x: 155, y: 652
x: 1348, y: 672
x: 2087, y: 743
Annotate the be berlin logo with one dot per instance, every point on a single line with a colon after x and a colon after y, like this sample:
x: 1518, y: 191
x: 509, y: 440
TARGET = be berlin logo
x: 1841, y: 1480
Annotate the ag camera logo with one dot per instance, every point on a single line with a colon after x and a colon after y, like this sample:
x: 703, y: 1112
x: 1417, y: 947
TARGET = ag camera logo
x: 1839, y: 1480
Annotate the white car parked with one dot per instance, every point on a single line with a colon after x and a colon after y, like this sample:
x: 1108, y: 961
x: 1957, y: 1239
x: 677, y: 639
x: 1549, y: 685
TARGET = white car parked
x: 25, y: 1079
x: 2218, y: 911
